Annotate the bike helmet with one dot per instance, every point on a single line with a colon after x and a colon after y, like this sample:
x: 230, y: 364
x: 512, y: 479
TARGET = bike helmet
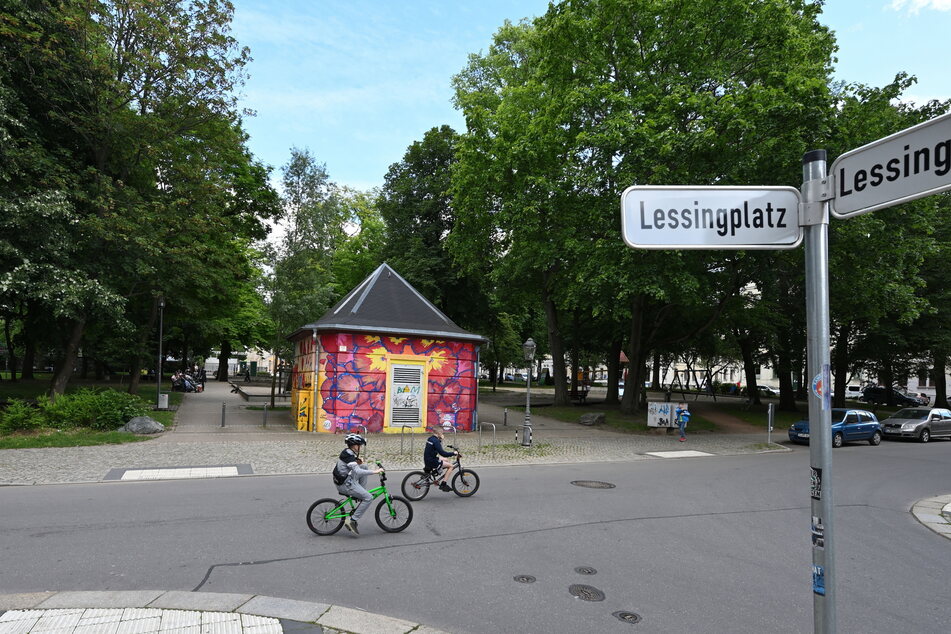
x: 355, y: 439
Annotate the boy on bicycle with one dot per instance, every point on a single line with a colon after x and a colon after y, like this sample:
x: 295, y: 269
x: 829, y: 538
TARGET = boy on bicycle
x: 352, y: 475
x: 434, y: 457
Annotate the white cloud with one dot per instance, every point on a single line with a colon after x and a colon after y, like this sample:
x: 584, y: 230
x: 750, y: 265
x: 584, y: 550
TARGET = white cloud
x: 915, y: 6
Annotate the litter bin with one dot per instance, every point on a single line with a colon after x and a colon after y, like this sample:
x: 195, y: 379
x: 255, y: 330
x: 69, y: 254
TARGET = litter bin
x: 163, y: 401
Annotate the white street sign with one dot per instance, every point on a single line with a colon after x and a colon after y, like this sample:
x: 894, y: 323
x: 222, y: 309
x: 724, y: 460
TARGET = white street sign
x: 688, y: 217
x: 907, y: 165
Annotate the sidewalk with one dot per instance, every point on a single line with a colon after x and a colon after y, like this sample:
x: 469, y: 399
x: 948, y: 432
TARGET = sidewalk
x: 147, y: 612
x: 199, y: 446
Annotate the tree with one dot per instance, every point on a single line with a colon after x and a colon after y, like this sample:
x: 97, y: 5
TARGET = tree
x: 596, y: 95
x: 112, y: 87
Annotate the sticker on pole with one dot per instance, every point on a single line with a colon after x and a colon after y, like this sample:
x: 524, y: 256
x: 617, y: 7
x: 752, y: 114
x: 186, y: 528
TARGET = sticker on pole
x: 817, y: 386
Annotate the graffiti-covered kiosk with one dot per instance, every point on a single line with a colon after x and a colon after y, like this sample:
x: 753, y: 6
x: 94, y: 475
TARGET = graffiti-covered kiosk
x: 387, y: 360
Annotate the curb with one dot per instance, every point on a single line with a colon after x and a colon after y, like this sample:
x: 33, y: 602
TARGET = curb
x: 935, y: 513
x: 332, y: 618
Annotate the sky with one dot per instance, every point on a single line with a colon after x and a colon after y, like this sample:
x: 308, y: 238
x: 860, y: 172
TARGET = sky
x: 356, y: 82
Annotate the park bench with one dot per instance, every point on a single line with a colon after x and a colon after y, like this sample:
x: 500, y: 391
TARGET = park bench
x: 580, y: 394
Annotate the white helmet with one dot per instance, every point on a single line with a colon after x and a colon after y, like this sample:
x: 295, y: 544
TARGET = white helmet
x: 355, y: 439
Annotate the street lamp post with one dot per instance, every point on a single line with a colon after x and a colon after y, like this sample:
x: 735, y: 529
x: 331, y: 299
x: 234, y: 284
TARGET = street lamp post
x: 528, y: 348
x: 158, y: 374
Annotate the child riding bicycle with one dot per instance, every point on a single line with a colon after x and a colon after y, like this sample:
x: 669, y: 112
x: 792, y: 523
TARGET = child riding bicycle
x: 435, y: 457
x: 350, y: 476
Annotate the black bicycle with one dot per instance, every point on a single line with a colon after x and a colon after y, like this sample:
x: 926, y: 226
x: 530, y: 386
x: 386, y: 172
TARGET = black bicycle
x: 393, y: 513
x: 416, y: 483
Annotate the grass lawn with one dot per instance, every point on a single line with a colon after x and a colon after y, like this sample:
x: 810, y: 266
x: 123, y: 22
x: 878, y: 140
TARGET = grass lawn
x: 613, y: 418
x: 73, y: 438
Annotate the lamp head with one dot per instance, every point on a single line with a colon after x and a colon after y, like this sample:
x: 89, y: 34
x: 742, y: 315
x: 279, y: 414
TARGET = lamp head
x: 528, y: 348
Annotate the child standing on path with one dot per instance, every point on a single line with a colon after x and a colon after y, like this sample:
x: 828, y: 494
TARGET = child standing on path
x: 682, y: 416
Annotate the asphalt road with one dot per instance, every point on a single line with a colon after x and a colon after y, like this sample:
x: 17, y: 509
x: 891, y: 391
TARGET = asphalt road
x: 717, y: 544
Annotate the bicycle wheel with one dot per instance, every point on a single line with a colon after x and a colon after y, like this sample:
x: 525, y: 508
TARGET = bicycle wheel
x: 396, y: 520
x: 321, y: 519
x: 465, y: 483
x: 415, y: 485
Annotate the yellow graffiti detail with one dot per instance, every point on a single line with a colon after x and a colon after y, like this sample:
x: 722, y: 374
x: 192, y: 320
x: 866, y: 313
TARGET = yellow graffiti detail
x: 378, y: 363
x: 437, y: 359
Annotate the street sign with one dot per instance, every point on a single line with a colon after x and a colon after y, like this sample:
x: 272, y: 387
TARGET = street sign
x: 688, y: 217
x: 910, y: 164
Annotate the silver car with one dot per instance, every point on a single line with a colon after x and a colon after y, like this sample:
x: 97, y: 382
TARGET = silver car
x: 923, y: 423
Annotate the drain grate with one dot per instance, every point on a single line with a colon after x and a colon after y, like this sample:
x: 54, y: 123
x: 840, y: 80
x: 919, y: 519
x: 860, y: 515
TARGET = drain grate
x: 586, y: 570
x: 592, y: 484
x: 627, y: 617
x: 525, y: 578
x: 585, y: 593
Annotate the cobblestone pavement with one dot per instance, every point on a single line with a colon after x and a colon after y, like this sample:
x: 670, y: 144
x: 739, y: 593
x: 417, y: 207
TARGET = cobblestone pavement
x: 200, y: 440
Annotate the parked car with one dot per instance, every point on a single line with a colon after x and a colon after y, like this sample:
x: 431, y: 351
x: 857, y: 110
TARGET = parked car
x: 848, y: 425
x: 853, y: 392
x: 766, y: 390
x: 923, y: 423
x: 876, y: 394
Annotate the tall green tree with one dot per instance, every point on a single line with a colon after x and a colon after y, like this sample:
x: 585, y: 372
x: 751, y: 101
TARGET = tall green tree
x: 598, y: 95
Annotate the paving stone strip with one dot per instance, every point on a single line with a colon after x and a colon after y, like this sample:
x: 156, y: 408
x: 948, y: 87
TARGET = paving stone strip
x: 175, y: 612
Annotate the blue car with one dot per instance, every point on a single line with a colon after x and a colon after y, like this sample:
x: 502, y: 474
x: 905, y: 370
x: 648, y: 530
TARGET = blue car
x: 848, y: 425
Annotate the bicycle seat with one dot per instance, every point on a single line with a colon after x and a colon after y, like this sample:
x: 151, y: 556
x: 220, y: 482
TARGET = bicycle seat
x: 431, y: 470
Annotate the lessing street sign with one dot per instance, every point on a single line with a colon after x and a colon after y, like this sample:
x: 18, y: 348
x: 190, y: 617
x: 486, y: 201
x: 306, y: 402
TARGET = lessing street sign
x: 689, y: 217
x: 910, y: 164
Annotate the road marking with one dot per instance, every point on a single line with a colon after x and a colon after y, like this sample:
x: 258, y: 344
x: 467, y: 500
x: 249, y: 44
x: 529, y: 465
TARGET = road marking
x: 678, y: 454
x: 180, y: 473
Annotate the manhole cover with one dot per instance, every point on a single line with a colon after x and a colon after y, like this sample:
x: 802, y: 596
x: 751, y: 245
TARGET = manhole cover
x: 592, y: 484
x: 525, y: 578
x: 585, y: 593
x: 627, y: 617
x: 586, y: 570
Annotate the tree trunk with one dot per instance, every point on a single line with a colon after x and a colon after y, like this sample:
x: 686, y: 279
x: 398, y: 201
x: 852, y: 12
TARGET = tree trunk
x: 29, y: 345
x: 749, y: 368
x: 557, y: 347
x: 784, y: 368
x: 635, y: 357
x: 223, y: 361
x: 840, y: 364
x: 135, y: 371
x: 614, y: 370
x: 886, y: 379
x: 64, y: 368
x: 655, y: 372
x: 11, y: 351
x: 939, y: 374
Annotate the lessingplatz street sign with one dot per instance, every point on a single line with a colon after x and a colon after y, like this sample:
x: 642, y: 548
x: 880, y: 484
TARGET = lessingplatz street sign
x: 710, y: 217
x: 910, y: 164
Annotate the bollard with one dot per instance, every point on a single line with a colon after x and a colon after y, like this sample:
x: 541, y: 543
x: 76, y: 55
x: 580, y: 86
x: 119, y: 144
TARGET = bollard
x: 505, y: 418
x: 222, y: 414
x: 265, y: 415
x: 526, y: 433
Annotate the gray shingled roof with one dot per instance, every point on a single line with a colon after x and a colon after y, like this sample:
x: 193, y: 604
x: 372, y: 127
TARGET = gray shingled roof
x: 385, y: 303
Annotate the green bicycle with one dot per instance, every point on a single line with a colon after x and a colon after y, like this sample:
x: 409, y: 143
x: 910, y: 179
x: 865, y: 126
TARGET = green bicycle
x: 393, y: 513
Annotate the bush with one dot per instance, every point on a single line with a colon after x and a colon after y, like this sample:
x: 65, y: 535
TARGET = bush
x: 104, y: 410
x: 118, y: 408
x: 19, y: 416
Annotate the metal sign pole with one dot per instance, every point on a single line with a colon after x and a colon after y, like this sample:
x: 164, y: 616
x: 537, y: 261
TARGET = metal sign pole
x: 815, y: 219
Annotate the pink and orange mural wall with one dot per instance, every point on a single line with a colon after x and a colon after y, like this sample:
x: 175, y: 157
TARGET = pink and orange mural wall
x: 383, y: 383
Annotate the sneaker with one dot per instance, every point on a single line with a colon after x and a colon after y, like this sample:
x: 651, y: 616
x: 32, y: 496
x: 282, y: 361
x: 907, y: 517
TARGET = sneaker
x: 444, y: 487
x: 349, y: 524
x: 353, y: 527
x: 683, y: 440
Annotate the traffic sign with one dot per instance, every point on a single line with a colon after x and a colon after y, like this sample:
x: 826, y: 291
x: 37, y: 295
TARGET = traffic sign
x: 688, y: 217
x: 910, y: 164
